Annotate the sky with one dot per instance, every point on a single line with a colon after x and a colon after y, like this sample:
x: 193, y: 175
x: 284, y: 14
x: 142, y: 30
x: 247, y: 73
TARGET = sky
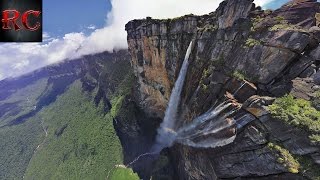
x: 74, y: 28
x: 275, y: 4
x: 85, y: 16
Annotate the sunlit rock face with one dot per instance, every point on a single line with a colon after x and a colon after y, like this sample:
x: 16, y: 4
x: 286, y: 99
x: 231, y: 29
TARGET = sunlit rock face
x: 269, y: 53
x: 157, y: 49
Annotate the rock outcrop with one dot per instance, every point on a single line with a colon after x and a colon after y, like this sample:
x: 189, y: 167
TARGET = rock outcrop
x: 266, y: 53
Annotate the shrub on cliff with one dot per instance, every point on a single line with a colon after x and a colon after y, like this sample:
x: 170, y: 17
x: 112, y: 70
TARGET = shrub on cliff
x: 252, y: 42
x: 285, y: 158
x: 297, y: 112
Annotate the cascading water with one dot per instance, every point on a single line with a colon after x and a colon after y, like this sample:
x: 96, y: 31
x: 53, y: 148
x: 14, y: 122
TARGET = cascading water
x: 209, y: 130
x: 166, y: 135
x: 204, y: 131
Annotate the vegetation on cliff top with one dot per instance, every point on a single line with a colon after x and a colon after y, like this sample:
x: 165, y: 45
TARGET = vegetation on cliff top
x: 276, y: 23
x: 250, y: 42
x: 284, y: 157
x: 297, y: 112
x: 239, y: 75
x: 295, y: 163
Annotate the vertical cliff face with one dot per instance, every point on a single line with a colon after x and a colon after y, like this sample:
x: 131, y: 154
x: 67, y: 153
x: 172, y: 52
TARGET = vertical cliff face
x: 268, y: 53
x: 157, y: 47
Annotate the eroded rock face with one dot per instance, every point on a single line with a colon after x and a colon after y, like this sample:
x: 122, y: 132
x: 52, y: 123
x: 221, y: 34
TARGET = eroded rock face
x: 157, y: 47
x: 316, y: 53
x: 230, y: 11
x: 265, y: 53
x: 300, y: 12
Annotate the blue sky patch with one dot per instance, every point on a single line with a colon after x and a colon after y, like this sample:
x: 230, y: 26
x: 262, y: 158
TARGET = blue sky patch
x: 62, y: 17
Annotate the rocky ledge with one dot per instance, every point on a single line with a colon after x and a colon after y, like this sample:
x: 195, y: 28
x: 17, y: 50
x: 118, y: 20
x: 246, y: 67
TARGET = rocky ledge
x: 268, y: 53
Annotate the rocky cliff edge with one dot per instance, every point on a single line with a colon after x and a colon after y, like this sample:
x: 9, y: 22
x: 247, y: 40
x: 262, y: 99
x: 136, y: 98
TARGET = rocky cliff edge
x: 268, y: 53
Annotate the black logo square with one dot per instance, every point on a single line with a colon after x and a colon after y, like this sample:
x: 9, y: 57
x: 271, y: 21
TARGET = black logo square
x: 21, y: 21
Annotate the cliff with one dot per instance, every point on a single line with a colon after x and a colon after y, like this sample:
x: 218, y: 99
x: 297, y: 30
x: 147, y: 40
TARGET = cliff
x: 267, y: 54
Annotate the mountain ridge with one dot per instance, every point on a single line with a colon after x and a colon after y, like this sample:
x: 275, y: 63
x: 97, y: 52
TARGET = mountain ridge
x: 66, y: 110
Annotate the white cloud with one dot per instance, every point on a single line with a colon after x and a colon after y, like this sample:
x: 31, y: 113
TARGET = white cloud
x: 46, y: 37
x: 262, y: 2
x: 20, y: 65
x: 19, y: 58
x: 92, y: 27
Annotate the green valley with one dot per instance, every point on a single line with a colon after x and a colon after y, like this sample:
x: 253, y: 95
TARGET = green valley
x: 60, y: 125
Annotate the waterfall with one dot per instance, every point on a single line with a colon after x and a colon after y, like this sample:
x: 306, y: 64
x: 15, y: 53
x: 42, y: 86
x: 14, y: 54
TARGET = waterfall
x: 211, y: 129
x: 214, y: 128
x: 166, y: 134
x: 205, y: 117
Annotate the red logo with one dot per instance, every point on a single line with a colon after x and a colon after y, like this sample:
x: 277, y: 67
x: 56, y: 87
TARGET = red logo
x: 10, y: 19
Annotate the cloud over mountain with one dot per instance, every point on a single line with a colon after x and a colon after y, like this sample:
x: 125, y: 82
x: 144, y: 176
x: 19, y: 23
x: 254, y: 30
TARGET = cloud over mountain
x: 20, y: 58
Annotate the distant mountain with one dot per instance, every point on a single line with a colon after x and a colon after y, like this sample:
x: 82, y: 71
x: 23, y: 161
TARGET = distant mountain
x: 57, y: 122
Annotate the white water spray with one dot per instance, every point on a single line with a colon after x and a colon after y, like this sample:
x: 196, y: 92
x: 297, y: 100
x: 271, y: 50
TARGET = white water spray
x: 210, y: 130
